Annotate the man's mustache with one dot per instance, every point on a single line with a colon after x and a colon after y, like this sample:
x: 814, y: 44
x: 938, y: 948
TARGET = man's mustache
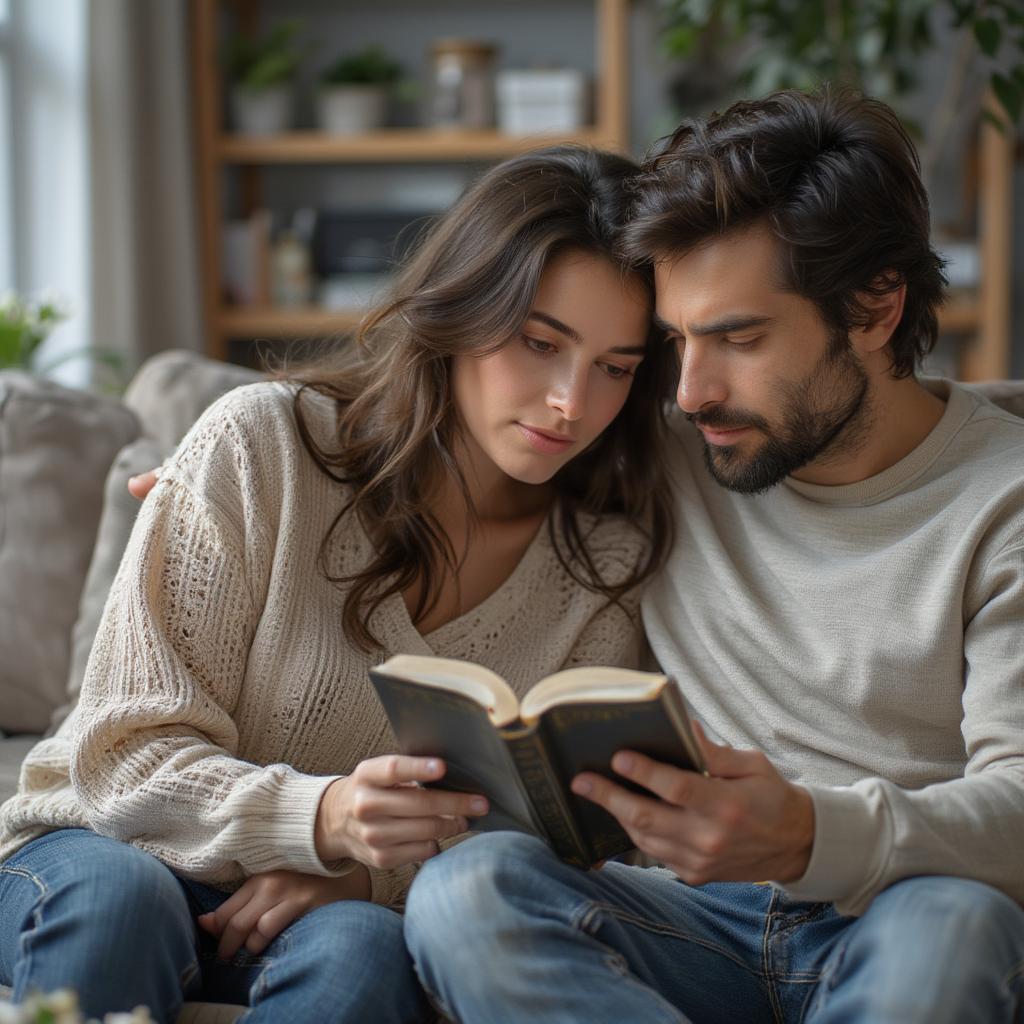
x: 726, y: 419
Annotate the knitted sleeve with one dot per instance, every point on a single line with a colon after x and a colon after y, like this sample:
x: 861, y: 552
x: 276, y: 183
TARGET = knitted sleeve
x: 155, y: 758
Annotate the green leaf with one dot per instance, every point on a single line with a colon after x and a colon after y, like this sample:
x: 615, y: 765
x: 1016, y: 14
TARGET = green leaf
x: 1009, y: 95
x: 681, y: 40
x: 998, y: 122
x: 989, y: 35
x: 10, y: 345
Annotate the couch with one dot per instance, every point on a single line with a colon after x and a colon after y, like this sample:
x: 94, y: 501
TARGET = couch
x: 65, y: 517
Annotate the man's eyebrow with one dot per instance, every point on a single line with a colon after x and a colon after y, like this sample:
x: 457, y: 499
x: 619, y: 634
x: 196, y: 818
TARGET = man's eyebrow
x: 569, y: 332
x: 724, y: 326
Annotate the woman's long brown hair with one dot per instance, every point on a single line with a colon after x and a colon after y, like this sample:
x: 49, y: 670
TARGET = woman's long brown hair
x: 468, y: 288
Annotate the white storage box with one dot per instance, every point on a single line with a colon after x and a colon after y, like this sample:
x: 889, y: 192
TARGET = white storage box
x: 541, y: 101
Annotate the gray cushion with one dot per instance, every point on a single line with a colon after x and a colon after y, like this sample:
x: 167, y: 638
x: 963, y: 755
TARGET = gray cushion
x: 56, y: 445
x: 12, y: 752
x: 171, y: 390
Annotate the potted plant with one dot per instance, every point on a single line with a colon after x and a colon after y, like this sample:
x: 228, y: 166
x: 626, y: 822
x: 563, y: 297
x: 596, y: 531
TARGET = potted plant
x: 26, y: 323
x: 24, y: 326
x: 262, y: 71
x: 354, y: 92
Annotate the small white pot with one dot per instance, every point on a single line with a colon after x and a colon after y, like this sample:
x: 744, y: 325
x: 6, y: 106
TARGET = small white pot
x: 262, y: 111
x: 351, y: 109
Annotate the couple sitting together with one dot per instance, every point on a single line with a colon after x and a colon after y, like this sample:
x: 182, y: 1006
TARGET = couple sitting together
x: 826, y: 549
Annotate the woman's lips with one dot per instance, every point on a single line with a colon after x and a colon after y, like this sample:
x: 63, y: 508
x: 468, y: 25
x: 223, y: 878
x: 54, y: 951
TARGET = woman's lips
x: 549, y: 444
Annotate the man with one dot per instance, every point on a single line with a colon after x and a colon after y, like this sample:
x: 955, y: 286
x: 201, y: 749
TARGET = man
x: 843, y: 609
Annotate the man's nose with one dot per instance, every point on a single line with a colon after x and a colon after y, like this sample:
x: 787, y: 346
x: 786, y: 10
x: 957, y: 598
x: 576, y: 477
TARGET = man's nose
x: 700, y: 380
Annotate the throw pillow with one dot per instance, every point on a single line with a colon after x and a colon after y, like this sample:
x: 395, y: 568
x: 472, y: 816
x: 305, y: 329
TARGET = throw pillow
x: 56, y: 445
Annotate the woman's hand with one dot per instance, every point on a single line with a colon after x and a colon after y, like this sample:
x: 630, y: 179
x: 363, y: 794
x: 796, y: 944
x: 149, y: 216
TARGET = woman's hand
x: 380, y: 816
x: 267, y: 903
x: 139, y: 486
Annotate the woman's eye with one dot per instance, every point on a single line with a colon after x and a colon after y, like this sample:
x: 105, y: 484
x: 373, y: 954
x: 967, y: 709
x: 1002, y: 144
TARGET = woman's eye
x: 537, y: 345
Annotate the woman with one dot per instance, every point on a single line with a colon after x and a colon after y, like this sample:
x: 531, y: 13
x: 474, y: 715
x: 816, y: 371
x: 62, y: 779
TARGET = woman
x: 479, y: 478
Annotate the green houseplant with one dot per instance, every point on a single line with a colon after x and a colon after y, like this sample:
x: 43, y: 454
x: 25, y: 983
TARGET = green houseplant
x: 261, y: 71
x: 873, y: 45
x: 26, y: 323
x: 354, y: 92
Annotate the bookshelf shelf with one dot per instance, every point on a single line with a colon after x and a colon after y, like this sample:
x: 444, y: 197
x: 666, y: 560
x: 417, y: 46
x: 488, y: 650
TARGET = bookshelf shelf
x: 274, y: 322
x: 387, y: 146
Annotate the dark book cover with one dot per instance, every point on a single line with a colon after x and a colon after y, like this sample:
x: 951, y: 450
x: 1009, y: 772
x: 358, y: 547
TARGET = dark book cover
x: 525, y: 769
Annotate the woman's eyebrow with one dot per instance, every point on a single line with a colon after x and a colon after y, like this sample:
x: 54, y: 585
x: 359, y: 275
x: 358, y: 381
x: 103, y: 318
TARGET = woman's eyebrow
x: 547, y: 318
x: 570, y: 332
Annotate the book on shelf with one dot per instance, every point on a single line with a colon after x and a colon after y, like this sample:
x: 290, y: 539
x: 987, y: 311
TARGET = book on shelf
x: 245, y: 259
x: 523, y: 755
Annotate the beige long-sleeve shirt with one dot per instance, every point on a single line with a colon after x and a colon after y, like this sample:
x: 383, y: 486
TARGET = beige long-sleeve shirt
x: 870, y: 640
x: 222, y: 697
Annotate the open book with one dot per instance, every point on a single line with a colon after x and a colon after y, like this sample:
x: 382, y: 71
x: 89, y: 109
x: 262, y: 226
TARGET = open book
x: 523, y: 756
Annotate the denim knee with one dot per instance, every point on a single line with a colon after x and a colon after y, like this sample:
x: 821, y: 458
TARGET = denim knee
x: 457, y: 897
x: 354, y: 931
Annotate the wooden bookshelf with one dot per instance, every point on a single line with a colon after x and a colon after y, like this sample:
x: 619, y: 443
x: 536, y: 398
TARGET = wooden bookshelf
x: 406, y: 145
x: 219, y: 152
x: 274, y: 322
x: 981, y: 322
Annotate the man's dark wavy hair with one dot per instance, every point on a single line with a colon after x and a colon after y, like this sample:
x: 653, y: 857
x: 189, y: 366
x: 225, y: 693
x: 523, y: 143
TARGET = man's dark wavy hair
x: 836, y: 179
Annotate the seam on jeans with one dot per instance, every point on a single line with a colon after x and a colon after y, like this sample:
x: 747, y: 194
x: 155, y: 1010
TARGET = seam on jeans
x: 618, y: 963
x: 258, y: 989
x: 1013, y: 974
x: 766, y: 959
x: 25, y: 873
x: 588, y: 912
x: 186, y: 976
x: 825, y: 986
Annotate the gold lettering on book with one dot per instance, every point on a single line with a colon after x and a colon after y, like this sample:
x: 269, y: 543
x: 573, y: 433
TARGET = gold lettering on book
x: 564, y: 717
x: 545, y: 795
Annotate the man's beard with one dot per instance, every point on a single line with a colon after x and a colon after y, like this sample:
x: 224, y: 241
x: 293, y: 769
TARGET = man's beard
x: 823, y: 415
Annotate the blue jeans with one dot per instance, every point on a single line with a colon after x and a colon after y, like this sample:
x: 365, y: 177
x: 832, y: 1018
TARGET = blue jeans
x: 83, y: 911
x: 501, y: 930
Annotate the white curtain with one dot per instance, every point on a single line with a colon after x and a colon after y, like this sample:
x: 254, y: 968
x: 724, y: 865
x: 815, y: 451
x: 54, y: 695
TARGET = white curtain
x: 96, y: 187
x: 143, y: 248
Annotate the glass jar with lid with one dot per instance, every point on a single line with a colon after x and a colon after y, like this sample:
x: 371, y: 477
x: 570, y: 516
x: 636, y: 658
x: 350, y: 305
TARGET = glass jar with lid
x: 462, y: 83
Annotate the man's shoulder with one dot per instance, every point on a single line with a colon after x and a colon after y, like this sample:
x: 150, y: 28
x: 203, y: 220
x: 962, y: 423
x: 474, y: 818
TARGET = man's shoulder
x: 991, y: 436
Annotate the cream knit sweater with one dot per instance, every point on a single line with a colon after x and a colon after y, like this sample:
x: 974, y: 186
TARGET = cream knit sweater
x: 222, y: 697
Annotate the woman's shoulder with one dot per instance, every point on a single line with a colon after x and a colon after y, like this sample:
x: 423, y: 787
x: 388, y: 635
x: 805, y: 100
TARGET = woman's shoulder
x: 249, y: 440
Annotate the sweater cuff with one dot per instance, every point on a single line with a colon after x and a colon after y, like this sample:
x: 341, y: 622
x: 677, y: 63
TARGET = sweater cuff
x: 848, y: 834
x: 294, y: 825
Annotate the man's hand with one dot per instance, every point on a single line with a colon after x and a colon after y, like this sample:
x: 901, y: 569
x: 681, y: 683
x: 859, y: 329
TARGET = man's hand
x: 139, y: 486
x: 745, y: 823
x: 267, y: 903
x: 382, y: 817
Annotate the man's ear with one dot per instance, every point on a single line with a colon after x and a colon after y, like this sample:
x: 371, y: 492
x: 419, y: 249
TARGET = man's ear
x: 885, y: 311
